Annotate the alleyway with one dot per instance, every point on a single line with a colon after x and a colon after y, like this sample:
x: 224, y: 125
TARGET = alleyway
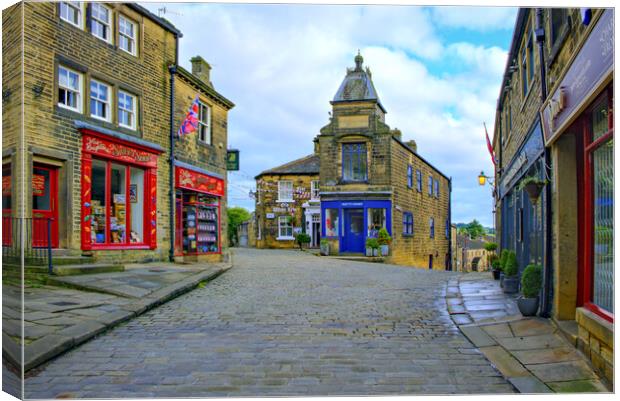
x: 284, y: 323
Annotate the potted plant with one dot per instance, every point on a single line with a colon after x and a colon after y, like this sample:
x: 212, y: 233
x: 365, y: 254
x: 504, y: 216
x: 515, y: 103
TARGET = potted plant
x: 533, y: 186
x: 384, y: 240
x: 531, y: 283
x: 302, y: 238
x: 495, y: 266
x: 502, y: 263
x: 511, y: 272
x: 373, y: 244
x: 324, y: 247
x: 369, y: 243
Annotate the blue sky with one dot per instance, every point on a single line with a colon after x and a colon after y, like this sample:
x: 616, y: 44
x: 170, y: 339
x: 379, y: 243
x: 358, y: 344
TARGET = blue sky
x: 437, y: 71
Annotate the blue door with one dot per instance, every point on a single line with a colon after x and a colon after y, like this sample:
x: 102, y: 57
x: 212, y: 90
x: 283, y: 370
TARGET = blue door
x: 353, y: 240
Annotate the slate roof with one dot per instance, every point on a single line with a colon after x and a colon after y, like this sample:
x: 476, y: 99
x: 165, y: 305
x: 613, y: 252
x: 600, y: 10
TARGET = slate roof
x: 357, y: 85
x: 307, y: 165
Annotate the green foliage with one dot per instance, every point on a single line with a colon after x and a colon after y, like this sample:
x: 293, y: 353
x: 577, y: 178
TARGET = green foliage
x: 511, y: 268
x: 372, y: 243
x: 531, y: 281
x: 302, y: 238
x: 490, y: 246
x: 530, y: 179
x: 496, y: 264
x: 503, y: 258
x: 324, y: 241
x: 475, y: 229
x: 384, y: 237
x: 236, y: 216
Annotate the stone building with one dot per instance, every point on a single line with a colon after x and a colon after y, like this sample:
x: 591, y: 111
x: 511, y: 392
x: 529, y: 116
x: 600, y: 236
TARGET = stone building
x: 97, y: 123
x: 287, y: 202
x: 554, y: 122
x: 371, y: 179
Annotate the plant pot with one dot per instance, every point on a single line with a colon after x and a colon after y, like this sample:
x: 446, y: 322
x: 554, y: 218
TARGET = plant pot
x: 496, y: 273
x: 325, y: 249
x: 528, y: 306
x: 533, y: 190
x: 501, y: 279
x: 511, y: 285
x: 375, y: 252
x: 385, y: 249
x: 368, y: 251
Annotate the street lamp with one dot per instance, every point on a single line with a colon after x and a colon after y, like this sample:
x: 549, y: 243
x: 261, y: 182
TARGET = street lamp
x: 482, y: 179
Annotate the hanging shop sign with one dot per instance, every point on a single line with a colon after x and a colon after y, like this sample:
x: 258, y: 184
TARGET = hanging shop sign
x: 232, y: 160
x: 38, y: 185
x: 593, y: 65
x: 199, y: 182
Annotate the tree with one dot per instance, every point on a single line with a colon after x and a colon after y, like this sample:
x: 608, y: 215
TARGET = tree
x: 475, y: 229
x: 236, y: 215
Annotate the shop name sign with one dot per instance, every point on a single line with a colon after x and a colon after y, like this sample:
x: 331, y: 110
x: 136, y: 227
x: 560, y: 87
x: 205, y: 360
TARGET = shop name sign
x: 591, y: 67
x: 348, y: 204
x: 199, y: 182
x: 119, y: 151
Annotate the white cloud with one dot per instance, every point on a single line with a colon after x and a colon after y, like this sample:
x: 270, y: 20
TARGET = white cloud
x: 481, y: 19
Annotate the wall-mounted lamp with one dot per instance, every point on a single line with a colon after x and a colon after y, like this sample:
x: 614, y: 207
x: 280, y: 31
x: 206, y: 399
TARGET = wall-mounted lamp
x: 483, y: 179
x: 38, y: 89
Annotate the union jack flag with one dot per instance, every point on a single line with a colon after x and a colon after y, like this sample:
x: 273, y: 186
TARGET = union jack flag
x: 190, y: 124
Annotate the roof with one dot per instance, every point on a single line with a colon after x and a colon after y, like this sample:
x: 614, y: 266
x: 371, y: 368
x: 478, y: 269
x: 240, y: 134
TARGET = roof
x: 203, y: 86
x: 416, y: 154
x: 357, y: 85
x: 307, y: 165
x: 159, y: 20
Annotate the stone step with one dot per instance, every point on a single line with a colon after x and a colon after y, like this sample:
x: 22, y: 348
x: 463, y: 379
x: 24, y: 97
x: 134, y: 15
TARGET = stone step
x: 90, y: 268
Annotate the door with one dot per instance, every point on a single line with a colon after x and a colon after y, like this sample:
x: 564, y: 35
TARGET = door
x: 353, y: 240
x: 316, y: 230
x: 44, y: 205
x: 430, y: 262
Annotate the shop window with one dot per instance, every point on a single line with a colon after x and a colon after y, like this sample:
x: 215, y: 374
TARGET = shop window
x: 418, y: 174
x: 126, y: 110
x: 354, y: 163
x: 99, y: 100
x: 204, y: 124
x: 69, y: 89
x: 314, y: 189
x: 432, y: 227
x: 376, y: 221
x: 332, y: 222
x: 407, y: 223
x: 6, y: 189
x: 409, y: 176
x: 100, y: 21
x: 200, y: 222
x: 430, y: 185
x: 285, y: 191
x: 71, y: 11
x: 285, y: 227
x: 126, y: 35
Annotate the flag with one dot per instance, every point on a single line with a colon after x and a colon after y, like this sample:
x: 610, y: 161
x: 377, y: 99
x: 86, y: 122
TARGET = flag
x: 489, y: 146
x: 190, y: 124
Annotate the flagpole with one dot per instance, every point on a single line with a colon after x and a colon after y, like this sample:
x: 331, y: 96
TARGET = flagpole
x: 173, y: 70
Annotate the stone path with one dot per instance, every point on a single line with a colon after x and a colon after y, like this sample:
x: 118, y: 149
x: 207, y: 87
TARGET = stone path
x: 284, y: 323
x: 530, y: 352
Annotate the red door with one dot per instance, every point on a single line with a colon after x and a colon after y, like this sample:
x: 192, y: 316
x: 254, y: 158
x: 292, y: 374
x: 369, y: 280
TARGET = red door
x: 44, y: 204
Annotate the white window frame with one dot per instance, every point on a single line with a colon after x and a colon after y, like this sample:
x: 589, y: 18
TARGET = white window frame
x: 204, y: 125
x: 281, y: 192
x: 66, y: 88
x: 315, y: 190
x: 107, y: 24
x: 134, y: 51
x: 132, y: 112
x: 280, y: 226
x: 74, y: 5
x: 108, y: 103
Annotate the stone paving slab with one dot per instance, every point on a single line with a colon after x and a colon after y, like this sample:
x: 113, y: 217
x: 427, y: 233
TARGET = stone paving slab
x: 505, y: 362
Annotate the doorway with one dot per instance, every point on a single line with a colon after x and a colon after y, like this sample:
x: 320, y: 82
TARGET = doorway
x: 44, y: 205
x: 353, y: 240
x: 315, y: 228
x: 430, y: 262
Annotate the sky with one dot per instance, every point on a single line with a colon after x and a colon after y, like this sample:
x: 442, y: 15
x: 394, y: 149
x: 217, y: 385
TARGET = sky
x: 437, y: 71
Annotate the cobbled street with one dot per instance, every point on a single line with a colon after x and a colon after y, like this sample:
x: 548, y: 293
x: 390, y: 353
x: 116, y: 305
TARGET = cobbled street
x: 283, y: 323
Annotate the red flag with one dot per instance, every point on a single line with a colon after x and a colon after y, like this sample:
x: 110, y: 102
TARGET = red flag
x: 190, y: 124
x: 489, y: 146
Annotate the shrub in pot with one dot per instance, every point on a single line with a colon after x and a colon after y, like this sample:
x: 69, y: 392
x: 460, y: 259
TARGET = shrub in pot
x: 531, y: 283
x: 502, y: 264
x: 496, y: 266
x: 384, y: 241
x: 373, y: 244
x: 511, y: 274
x: 324, y: 247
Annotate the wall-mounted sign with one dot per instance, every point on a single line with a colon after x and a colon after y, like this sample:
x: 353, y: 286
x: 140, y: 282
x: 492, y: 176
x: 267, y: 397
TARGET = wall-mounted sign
x: 349, y: 204
x: 38, y: 185
x: 590, y: 69
x: 196, y: 181
x: 119, y: 151
x: 232, y: 160
x: 271, y: 215
x: 6, y: 185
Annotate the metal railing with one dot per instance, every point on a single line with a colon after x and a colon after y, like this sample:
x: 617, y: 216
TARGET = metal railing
x: 37, y: 240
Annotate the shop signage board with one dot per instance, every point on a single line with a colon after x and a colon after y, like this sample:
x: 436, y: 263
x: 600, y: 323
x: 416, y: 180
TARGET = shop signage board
x: 119, y: 151
x: 199, y: 182
x: 232, y: 160
x: 591, y: 67
x: 38, y: 185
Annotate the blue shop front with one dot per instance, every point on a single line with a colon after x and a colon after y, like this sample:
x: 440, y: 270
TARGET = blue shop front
x: 352, y: 221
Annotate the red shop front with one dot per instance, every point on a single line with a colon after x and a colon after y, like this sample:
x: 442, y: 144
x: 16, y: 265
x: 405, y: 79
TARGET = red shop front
x: 198, y: 212
x: 119, y: 193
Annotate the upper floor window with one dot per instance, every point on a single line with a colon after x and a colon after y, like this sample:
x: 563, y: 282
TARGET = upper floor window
x: 285, y: 191
x: 530, y: 59
x: 447, y: 228
x: 558, y: 18
x: 314, y: 189
x: 410, y: 176
x: 430, y: 185
x: 126, y: 110
x: 69, y: 89
x: 126, y: 35
x: 407, y: 223
x: 354, y: 164
x: 432, y: 224
x: 100, y: 21
x: 204, y: 123
x: 524, y: 83
x: 437, y: 188
x: 418, y: 174
x: 71, y: 11
x: 99, y: 100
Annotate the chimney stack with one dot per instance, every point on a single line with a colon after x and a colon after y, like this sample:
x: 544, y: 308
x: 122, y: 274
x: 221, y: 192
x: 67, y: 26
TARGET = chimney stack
x: 413, y: 145
x: 201, y: 69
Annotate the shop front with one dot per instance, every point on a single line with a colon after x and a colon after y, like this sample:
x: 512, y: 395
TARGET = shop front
x: 198, y: 211
x: 350, y: 222
x: 119, y: 193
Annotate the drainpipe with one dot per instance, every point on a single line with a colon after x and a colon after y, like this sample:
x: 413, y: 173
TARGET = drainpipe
x: 172, y: 69
x: 545, y: 309
x: 450, y: 267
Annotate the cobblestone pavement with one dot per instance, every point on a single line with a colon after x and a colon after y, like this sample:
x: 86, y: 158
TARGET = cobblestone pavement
x: 284, y: 323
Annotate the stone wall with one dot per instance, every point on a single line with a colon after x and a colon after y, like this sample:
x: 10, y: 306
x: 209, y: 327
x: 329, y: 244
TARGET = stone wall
x: 596, y: 340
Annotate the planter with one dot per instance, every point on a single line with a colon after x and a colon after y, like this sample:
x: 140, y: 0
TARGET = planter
x: 511, y: 285
x: 375, y: 252
x: 501, y: 279
x: 325, y: 249
x: 368, y: 251
x: 496, y: 273
x: 528, y: 306
x: 385, y: 249
x: 533, y: 190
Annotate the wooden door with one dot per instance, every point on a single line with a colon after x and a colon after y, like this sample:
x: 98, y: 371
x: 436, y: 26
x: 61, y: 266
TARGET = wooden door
x: 44, y: 205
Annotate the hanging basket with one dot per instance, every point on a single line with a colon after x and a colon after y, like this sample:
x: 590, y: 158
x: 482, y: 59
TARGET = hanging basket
x: 533, y: 190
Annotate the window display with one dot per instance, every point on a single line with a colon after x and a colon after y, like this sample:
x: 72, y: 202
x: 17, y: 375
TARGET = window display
x: 200, y: 219
x: 376, y: 221
x: 331, y: 222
